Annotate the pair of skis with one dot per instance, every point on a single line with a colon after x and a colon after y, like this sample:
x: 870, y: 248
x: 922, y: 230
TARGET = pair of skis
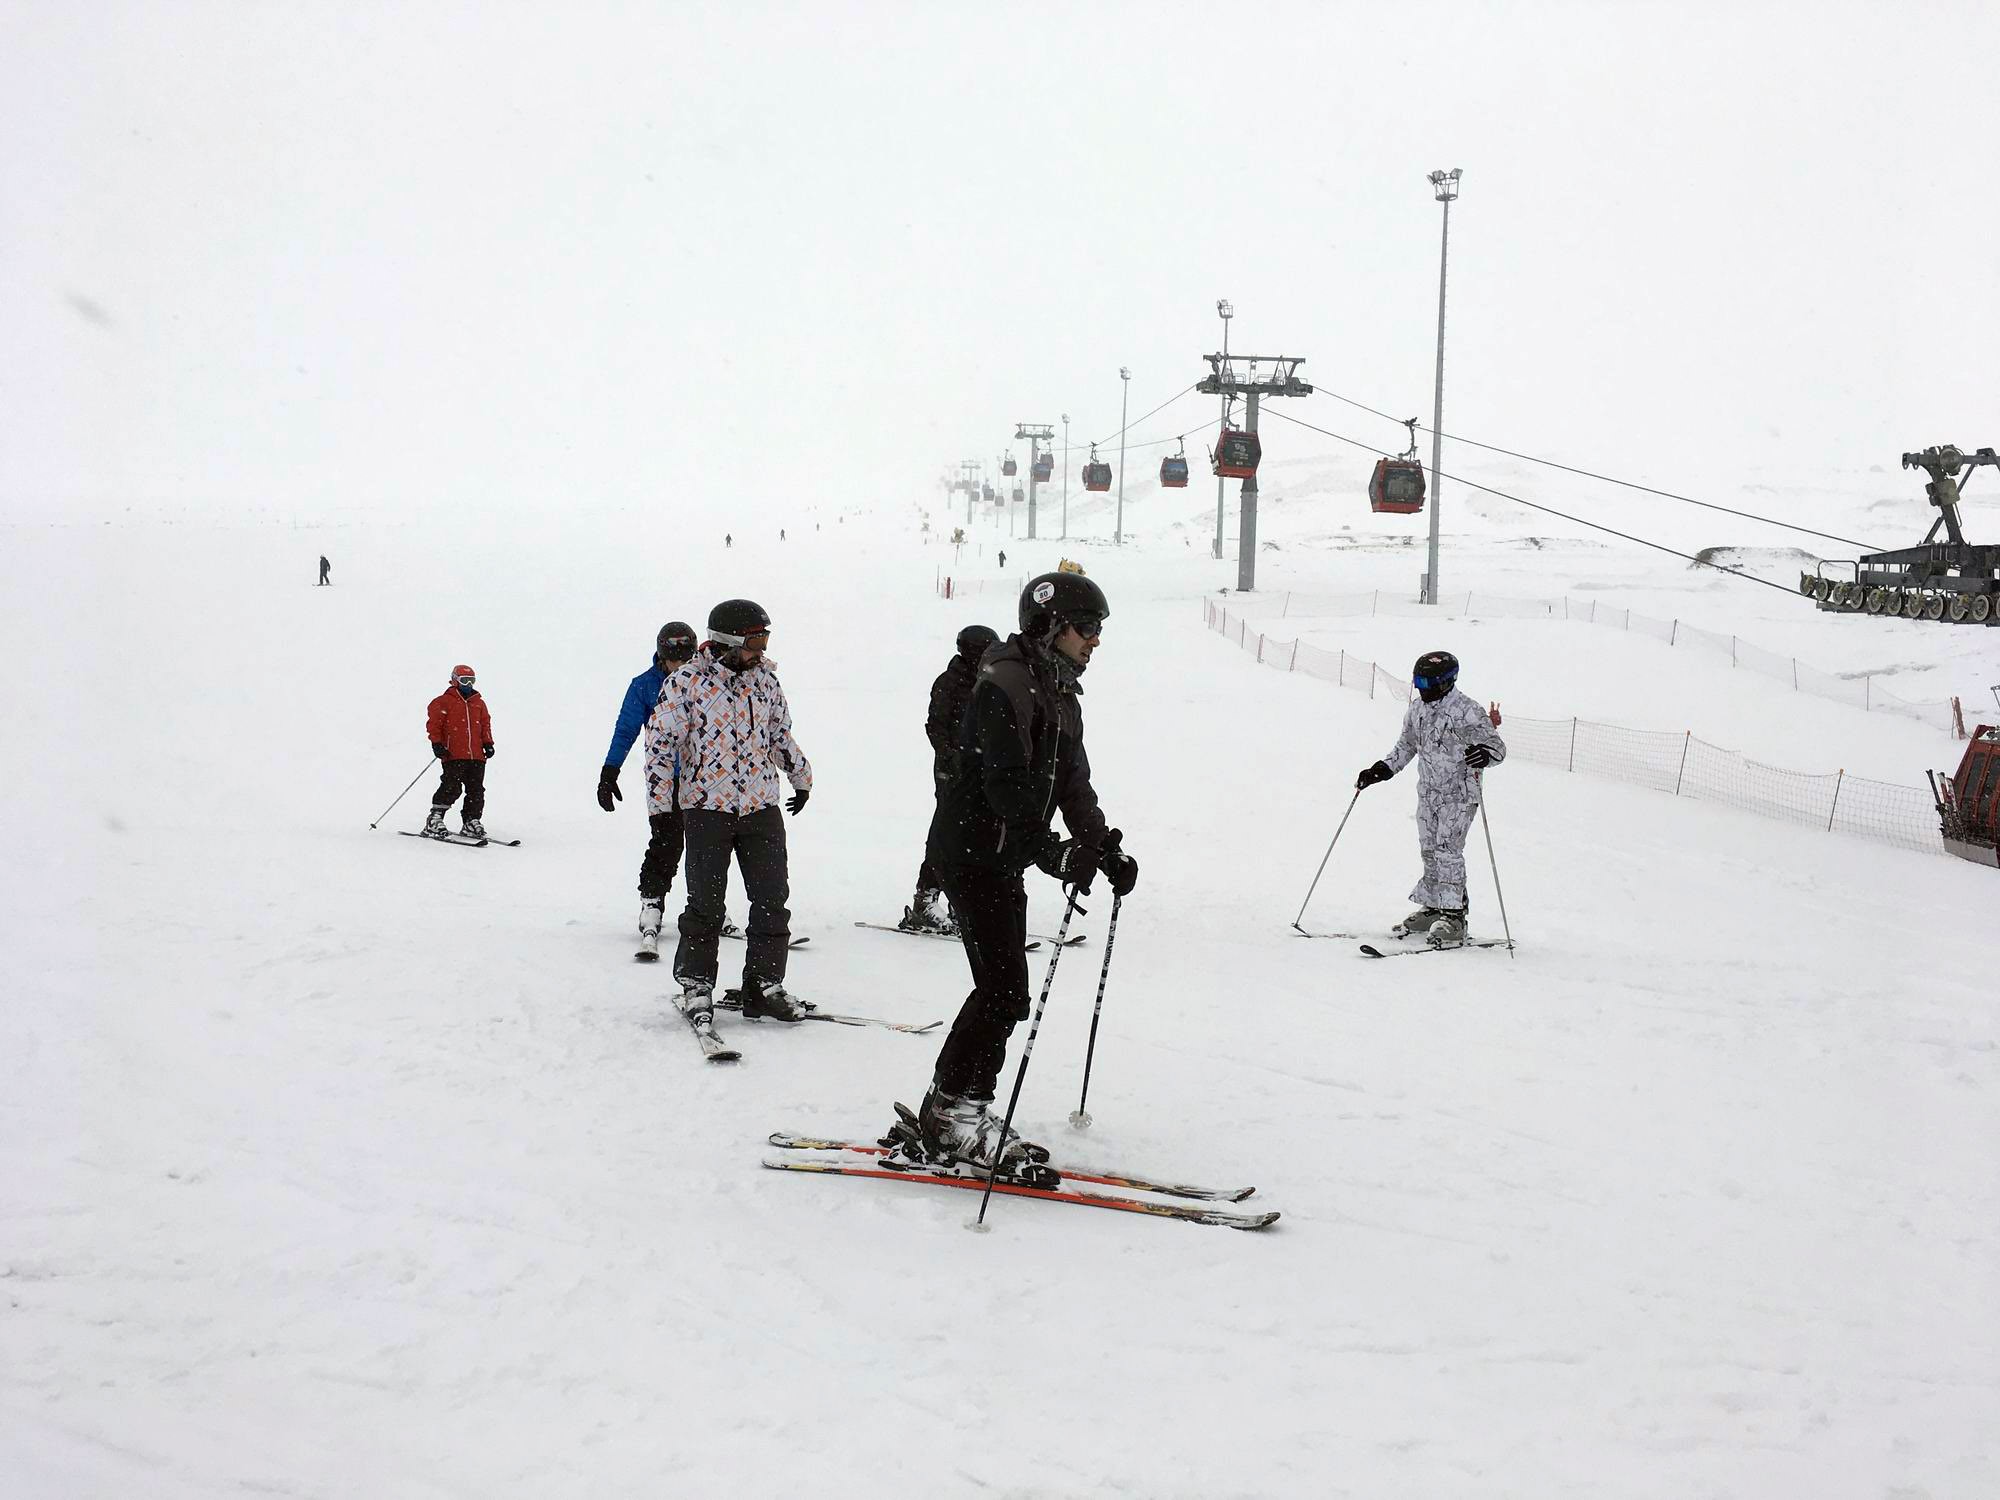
x: 648, y: 951
x: 1194, y: 1205
x: 1035, y: 939
x: 459, y: 839
x: 716, y: 1050
x: 1369, y: 950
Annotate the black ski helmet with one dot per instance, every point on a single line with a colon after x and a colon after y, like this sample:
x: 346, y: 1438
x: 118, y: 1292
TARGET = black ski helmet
x: 1056, y: 599
x: 734, y: 619
x: 676, y: 641
x: 973, y: 641
x: 1434, y: 675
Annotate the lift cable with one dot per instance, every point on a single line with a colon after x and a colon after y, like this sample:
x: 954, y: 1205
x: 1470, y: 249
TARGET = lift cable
x: 1101, y: 442
x: 1606, y: 478
x: 1547, y: 510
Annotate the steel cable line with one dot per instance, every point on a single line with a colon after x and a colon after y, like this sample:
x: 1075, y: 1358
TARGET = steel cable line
x: 1549, y: 510
x: 1605, y: 478
x: 1137, y: 420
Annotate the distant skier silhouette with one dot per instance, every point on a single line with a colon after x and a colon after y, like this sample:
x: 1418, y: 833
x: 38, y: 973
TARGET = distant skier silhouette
x: 325, y: 569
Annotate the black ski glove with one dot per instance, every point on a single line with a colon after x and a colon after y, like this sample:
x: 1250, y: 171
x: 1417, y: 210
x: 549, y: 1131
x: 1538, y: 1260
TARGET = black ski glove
x: 797, y: 800
x: 1122, y: 870
x: 607, y: 788
x: 1377, y: 772
x: 1072, y: 863
x: 1479, y: 757
x: 437, y: 749
x: 488, y: 749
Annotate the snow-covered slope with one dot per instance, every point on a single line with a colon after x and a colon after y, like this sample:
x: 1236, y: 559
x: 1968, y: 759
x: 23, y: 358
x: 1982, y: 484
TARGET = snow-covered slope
x: 333, y: 1163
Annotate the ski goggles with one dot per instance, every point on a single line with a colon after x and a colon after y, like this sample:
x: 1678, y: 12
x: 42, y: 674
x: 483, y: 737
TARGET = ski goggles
x: 465, y: 679
x: 756, y: 640
x: 677, y: 647
x: 1090, y: 627
x: 1425, y: 681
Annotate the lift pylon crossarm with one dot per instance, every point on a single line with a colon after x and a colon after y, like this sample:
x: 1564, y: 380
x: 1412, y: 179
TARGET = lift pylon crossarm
x: 1223, y: 380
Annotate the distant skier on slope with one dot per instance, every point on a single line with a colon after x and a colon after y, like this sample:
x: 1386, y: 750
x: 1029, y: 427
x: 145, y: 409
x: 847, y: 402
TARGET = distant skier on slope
x: 724, y: 722
x: 1453, y: 741
x: 461, y: 735
x: 325, y: 572
x: 949, y: 694
x: 1020, y: 757
x: 672, y: 649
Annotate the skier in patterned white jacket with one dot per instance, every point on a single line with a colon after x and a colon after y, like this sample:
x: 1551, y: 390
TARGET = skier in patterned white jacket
x: 1453, y: 741
x: 723, y: 721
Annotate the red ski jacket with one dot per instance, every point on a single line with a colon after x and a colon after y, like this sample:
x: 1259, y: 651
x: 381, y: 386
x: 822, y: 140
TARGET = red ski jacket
x: 460, y: 724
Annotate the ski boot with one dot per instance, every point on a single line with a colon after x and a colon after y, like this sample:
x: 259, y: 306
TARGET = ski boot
x: 472, y: 828
x: 768, y: 1000
x: 958, y: 1136
x: 434, y: 825
x: 652, y: 910
x: 922, y: 916
x: 697, y: 1002
x: 1417, y: 923
x: 1448, y: 931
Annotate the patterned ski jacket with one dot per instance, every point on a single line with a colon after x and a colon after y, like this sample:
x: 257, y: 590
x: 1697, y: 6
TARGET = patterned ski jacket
x: 730, y: 734
x: 459, y: 723
x: 1436, y: 736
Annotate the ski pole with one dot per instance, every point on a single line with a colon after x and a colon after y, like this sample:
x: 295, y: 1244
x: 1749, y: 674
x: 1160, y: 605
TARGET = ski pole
x: 1322, y: 862
x: 403, y: 793
x: 1080, y: 1117
x: 1487, y: 828
x: 1027, y: 1051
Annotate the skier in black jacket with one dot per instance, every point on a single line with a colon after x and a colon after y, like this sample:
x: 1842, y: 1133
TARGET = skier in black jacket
x: 1020, y: 758
x: 949, y: 695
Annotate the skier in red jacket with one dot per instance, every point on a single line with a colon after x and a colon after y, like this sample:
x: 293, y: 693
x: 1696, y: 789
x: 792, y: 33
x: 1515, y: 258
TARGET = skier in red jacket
x: 461, y: 735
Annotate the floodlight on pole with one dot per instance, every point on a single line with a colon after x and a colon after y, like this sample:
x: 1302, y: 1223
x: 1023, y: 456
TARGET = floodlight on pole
x: 1124, y: 401
x: 1444, y: 187
x: 1225, y: 310
x: 1065, y: 513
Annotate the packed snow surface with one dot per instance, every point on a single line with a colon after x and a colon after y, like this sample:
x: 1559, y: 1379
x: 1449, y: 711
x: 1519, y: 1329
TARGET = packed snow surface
x: 341, y: 1164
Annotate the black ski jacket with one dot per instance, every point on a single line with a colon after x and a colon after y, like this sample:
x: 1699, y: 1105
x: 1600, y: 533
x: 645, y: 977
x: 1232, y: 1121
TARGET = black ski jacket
x: 949, y: 695
x: 1020, y: 759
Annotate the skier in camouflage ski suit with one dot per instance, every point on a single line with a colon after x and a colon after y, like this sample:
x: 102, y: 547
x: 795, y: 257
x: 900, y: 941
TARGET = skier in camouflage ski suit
x: 1452, y: 741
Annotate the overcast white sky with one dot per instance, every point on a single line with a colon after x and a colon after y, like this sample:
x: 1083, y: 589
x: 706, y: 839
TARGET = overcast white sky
x: 709, y: 255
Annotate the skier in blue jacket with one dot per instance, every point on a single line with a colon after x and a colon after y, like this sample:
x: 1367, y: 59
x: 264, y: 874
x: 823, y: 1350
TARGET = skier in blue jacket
x: 673, y: 648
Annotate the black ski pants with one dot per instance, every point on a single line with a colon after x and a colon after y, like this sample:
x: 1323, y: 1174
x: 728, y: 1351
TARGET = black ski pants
x: 468, y: 776
x: 992, y: 911
x: 663, y: 855
x: 758, y: 841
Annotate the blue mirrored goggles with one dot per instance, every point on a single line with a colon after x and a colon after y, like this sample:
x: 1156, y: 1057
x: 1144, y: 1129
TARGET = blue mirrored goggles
x: 1424, y: 684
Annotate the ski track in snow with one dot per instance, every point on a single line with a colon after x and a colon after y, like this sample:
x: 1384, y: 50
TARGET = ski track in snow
x: 339, y: 1164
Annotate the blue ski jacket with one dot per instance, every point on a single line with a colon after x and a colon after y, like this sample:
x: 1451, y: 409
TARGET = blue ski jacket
x: 637, y: 708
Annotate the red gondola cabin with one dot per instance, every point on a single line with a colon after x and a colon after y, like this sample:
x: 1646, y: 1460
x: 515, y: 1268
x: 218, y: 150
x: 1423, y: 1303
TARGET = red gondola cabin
x: 1397, y: 487
x: 1008, y: 467
x: 1237, y: 454
x: 1097, y: 475
x: 1045, y: 468
x: 1174, y: 472
x: 1969, y: 803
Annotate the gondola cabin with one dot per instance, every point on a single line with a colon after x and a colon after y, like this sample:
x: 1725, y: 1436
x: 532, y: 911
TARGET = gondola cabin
x: 1397, y: 487
x: 1008, y: 467
x: 1174, y: 472
x: 1237, y: 455
x: 1097, y: 475
x: 1019, y: 494
x: 1045, y: 468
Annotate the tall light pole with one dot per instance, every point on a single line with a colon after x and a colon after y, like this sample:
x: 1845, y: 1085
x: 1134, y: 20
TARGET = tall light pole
x: 1444, y: 186
x: 1065, y: 518
x: 1225, y: 312
x: 1124, y: 400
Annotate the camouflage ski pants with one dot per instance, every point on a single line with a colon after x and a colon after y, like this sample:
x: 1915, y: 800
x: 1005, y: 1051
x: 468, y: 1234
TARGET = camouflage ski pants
x: 1443, y: 821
